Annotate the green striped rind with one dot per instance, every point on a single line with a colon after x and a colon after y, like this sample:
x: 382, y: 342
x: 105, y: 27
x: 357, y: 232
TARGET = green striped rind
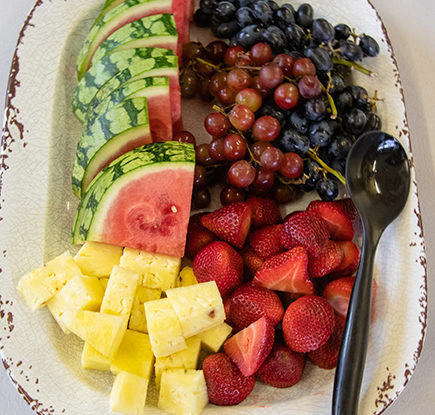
x: 159, y: 25
x: 105, y: 126
x: 109, y: 5
x: 107, y: 21
x: 105, y: 68
x: 127, y: 167
x: 128, y: 89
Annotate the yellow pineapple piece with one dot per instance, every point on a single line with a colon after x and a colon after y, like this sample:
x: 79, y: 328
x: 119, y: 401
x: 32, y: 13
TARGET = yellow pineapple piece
x: 93, y: 359
x: 128, y: 394
x: 138, y: 321
x: 183, y: 392
x: 120, y: 291
x: 198, y: 307
x: 102, y: 331
x: 134, y: 355
x: 79, y: 293
x: 38, y: 286
x: 157, y: 271
x: 184, y: 359
x: 186, y: 277
x: 213, y: 339
x: 97, y: 259
x: 103, y: 283
x: 163, y: 328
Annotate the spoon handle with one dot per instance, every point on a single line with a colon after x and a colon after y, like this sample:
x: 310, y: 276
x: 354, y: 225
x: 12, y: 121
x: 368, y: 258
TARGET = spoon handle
x: 351, y: 360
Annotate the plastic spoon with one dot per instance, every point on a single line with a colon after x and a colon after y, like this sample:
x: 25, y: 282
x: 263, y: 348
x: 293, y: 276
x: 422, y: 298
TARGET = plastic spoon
x: 378, y: 180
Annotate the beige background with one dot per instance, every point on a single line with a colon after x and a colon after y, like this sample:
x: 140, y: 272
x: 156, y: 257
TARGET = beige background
x: 412, y: 34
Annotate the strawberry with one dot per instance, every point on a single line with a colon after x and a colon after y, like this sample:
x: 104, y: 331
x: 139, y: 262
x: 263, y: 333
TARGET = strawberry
x: 225, y: 383
x: 249, y: 348
x: 266, y: 241
x: 326, y: 356
x: 265, y: 212
x: 308, y: 323
x: 327, y: 260
x: 339, y: 224
x: 305, y: 229
x: 350, y: 261
x: 230, y: 223
x: 251, y: 260
x: 338, y: 294
x: 349, y: 209
x: 249, y: 303
x: 227, y: 308
x: 219, y: 262
x: 286, y: 272
x: 197, y: 236
x: 282, y: 368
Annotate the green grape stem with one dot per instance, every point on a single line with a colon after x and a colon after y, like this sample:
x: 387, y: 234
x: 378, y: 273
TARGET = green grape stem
x: 313, y: 154
x: 215, y: 67
x: 340, y: 61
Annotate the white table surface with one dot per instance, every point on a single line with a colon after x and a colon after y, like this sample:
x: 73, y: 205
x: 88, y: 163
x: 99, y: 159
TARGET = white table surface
x: 411, y: 29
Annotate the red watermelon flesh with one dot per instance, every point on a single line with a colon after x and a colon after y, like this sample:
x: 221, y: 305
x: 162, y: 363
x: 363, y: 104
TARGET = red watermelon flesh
x: 153, y: 211
x: 188, y: 15
x: 160, y: 117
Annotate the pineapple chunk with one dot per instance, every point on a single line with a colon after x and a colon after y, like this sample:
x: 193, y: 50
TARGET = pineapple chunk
x: 213, y: 339
x: 184, y: 359
x: 128, y: 394
x: 186, y: 277
x: 134, y: 355
x: 102, y: 331
x: 138, y: 321
x: 164, y: 328
x: 93, y: 359
x: 79, y: 293
x: 97, y: 259
x: 119, y: 295
x: 157, y: 271
x: 104, y: 282
x: 183, y: 392
x: 39, y: 286
x: 198, y: 307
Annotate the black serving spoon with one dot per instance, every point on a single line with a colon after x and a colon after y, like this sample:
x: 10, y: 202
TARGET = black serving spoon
x: 378, y: 180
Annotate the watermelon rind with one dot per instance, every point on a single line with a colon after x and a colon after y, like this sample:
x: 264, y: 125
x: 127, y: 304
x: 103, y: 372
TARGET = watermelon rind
x: 103, y: 189
x: 139, y: 59
x: 104, y: 134
x: 151, y: 31
x: 106, y: 23
x: 109, y: 5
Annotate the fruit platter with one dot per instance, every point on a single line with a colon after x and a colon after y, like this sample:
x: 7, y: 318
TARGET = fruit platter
x: 175, y: 229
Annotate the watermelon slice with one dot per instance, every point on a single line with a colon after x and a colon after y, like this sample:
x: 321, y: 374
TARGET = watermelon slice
x: 152, y: 31
x: 153, y: 61
x: 154, y: 88
x: 141, y: 200
x: 114, y: 18
x: 188, y: 15
x: 109, y: 133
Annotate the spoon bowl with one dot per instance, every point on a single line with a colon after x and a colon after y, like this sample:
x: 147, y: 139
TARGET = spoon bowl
x: 378, y: 180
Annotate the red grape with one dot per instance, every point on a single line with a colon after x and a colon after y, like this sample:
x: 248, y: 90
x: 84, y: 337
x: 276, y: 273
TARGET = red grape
x: 243, y: 60
x: 309, y: 86
x: 227, y: 96
x: 285, y: 62
x: 217, y: 82
x: 241, y: 173
x: 272, y: 159
x: 256, y: 85
x: 184, y: 137
x: 230, y: 194
x: 192, y: 50
x: 263, y: 180
x: 201, y: 198
x: 303, y: 66
x: 204, y: 69
x: 249, y: 97
x: 270, y: 76
x: 204, y: 90
x: 282, y: 193
x: 216, y: 51
x: 292, y: 166
x: 234, y: 147
x: 238, y: 79
x: 266, y: 128
x: 241, y: 117
x: 286, y: 96
x: 200, y: 176
x: 202, y: 155
x: 232, y: 54
x: 258, y: 147
x: 216, y: 149
x: 261, y: 53
x: 216, y: 124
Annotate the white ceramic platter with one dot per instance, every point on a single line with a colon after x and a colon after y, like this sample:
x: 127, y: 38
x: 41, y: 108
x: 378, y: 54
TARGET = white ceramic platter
x: 37, y: 208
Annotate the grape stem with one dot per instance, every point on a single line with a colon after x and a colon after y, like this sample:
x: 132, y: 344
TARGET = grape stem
x: 313, y: 154
x: 340, y: 61
x: 215, y: 67
x: 330, y: 99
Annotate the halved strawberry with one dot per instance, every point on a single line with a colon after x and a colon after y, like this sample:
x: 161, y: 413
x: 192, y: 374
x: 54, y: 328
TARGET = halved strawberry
x: 286, y: 272
x: 350, y: 261
x: 282, y: 368
x: 308, y: 323
x: 219, y: 262
x: 197, y: 236
x: 265, y: 212
x: 230, y: 223
x: 340, y: 226
x: 327, y: 260
x: 251, y: 260
x: 226, y: 385
x: 249, y: 303
x: 249, y: 348
x: 305, y: 229
x: 349, y: 209
x: 266, y: 241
